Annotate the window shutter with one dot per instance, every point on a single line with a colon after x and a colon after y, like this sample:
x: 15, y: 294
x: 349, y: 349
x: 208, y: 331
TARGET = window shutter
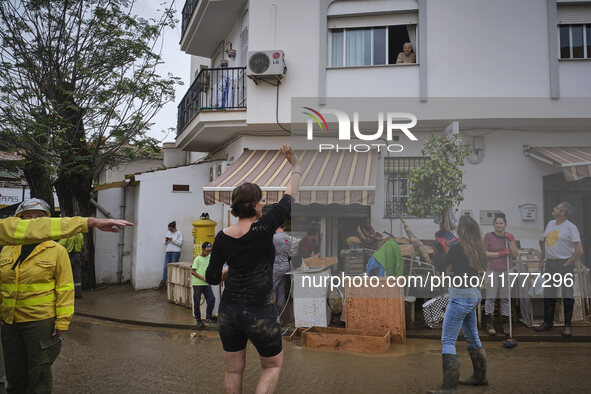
x: 373, y: 20
x: 574, y: 14
x: 402, y: 165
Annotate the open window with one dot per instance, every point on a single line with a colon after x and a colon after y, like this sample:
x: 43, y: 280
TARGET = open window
x: 370, y: 40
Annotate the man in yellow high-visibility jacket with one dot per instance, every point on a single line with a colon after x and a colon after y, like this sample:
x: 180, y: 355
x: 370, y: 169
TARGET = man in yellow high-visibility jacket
x: 37, y: 304
x: 74, y: 246
x: 15, y: 231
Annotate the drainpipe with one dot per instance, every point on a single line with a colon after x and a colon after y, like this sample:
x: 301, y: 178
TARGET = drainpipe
x: 121, y: 244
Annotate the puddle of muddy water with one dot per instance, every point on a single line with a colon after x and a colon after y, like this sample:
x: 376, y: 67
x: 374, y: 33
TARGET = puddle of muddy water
x: 98, y: 358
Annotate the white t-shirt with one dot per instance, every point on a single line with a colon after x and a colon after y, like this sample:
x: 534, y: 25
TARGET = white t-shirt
x: 177, y: 241
x: 560, y: 239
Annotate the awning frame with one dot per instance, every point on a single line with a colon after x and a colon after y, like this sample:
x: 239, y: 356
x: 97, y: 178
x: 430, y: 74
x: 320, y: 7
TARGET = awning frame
x: 572, y: 170
x: 302, y: 188
x: 329, y: 177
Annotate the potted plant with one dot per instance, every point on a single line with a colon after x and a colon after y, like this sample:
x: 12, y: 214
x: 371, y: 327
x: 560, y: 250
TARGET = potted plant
x: 231, y: 53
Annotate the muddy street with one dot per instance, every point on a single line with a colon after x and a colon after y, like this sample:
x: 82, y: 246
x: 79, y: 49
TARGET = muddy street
x: 102, y: 357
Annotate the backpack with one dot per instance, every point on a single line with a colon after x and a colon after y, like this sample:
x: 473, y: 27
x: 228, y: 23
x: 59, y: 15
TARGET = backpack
x: 444, y: 241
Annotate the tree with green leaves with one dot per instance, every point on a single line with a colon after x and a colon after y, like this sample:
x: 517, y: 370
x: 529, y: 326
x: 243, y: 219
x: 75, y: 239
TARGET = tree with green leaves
x: 78, y: 86
x: 436, y: 186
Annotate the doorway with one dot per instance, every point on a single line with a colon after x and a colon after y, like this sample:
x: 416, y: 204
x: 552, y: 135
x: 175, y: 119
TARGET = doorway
x: 578, y: 193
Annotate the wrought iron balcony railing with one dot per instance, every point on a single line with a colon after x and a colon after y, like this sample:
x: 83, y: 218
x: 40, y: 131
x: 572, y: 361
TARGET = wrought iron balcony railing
x: 213, y: 89
x: 188, y: 9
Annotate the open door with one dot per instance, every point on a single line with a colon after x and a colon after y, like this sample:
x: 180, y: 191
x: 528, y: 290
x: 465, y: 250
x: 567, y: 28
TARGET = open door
x: 578, y: 193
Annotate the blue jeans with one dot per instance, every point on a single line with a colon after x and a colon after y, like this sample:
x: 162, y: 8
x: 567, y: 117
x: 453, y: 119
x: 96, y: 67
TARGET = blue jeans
x: 279, y: 279
x: 209, y: 299
x: 461, y: 313
x: 169, y: 257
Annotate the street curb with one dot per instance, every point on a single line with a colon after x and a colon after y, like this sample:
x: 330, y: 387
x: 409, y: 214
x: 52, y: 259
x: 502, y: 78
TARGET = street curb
x: 145, y: 323
x: 500, y: 338
x: 434, y: 336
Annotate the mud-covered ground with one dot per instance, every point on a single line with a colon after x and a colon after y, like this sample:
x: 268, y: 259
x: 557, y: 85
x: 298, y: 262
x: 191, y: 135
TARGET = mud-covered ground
x: 101, y: 357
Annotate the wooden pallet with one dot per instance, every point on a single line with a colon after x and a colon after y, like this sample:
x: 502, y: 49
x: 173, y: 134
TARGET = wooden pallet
x: 333, y: 338
x: 381, y: 308
x: 178, y: 290
x: 180, y: 295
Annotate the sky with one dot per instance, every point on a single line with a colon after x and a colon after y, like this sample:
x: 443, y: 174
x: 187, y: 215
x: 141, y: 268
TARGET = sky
x: 175, y: 61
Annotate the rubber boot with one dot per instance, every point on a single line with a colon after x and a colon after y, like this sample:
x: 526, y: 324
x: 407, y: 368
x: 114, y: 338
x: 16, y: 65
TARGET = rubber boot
x: 568, y: 315
x: 490, y: 325
x: 548, y: 323
x: 505, y: 321
x: 451, y: 374
x: 478, y: 378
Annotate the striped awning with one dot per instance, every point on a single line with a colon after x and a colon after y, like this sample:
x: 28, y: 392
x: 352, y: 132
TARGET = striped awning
x: 575, y: 161
x: 327, y: 177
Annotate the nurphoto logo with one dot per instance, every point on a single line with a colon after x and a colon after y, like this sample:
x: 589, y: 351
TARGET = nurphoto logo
x: 402, y: 121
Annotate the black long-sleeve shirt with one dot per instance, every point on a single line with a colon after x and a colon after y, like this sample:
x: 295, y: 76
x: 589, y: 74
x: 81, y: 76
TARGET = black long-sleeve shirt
x: 458, y: 261
x: 249, y: 258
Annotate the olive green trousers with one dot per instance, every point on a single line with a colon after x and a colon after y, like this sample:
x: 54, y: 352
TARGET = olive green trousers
x: 29, y: 351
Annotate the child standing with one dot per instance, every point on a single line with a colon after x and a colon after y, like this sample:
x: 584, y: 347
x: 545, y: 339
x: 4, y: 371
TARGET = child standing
x: 200, y: 286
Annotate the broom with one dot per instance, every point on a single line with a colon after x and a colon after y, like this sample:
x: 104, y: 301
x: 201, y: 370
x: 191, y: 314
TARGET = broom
x: 509, y: 342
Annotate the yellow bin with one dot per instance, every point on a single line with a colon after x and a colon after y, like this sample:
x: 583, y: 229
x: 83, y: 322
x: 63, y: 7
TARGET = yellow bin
x: 203, y: 230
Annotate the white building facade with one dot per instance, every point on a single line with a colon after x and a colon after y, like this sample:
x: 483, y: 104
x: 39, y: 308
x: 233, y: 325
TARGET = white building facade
x: 516, y: 76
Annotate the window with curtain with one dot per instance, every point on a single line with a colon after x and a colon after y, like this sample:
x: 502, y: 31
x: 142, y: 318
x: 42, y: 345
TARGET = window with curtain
x: 369, y: 46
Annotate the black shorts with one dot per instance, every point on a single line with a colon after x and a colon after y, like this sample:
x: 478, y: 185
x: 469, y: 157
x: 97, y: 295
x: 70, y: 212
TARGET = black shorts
x: 237, y: 323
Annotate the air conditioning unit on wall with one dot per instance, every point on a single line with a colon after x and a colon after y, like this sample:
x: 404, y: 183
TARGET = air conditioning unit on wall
x: 264, y: 64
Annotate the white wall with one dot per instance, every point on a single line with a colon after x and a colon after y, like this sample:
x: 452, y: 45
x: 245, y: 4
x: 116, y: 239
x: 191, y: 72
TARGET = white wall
x: 379, y: 81
x: 157, y: 205
x: 197, y: 62
x: 295, y: 31
x: 487, y: 48
x: 475, y: 48
x: 117, y: 173
x: 575, y: 78
x: 505, y: 179
x: 236, y: 148
x: 196, y: 156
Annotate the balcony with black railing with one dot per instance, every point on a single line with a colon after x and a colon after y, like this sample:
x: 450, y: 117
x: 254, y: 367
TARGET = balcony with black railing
x: 205, y: 23
x: 188, y: 9
x: 214, y: 89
